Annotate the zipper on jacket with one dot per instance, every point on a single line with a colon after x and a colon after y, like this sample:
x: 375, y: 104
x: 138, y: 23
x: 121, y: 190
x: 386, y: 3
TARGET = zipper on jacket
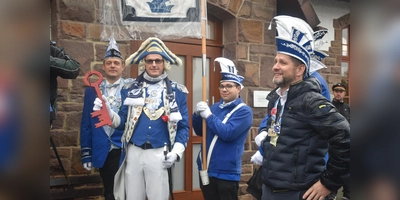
x: 296, y: 151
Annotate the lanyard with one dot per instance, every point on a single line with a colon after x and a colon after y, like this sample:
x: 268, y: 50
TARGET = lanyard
x: 277, y: 126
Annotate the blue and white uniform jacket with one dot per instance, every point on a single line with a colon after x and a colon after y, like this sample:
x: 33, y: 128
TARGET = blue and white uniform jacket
x: 226, y: 158
x: 97, y: 142
x: 140, y: 129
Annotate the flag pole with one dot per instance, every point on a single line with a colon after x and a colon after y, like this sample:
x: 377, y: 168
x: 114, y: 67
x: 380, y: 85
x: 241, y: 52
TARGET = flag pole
x: 204, y: 80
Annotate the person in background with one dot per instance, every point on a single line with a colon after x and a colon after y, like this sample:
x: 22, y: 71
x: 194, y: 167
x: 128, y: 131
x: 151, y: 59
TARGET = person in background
x: 61, y: 65
x: 303, y: 125
x: 101, y: 147
x: 228, y: 123
x: 154, y: 117
x: 339, y: 91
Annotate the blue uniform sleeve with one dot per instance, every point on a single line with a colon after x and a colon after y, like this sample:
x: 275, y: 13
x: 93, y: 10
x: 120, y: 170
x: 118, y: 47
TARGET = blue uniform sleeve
x: 123, y: 110
x: 86, y: 127
x: 197, y: 124
x: 182, y: 132
x: 324, y: 86
x: 263, y: 123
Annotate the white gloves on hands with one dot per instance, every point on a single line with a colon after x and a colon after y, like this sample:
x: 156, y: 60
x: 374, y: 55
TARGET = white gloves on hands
x: 171, y: 158
x: 257, y: 158
x: 203, y: 109
x: 98, y: 104
x: 87, y: 166
x: 260, y: 137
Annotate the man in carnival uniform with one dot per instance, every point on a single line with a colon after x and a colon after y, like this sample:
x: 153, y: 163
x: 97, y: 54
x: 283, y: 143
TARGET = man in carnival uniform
x: 303, y: 125
x: 101, y: 147
x: 315, y: 64
x: 228, y: 123
x: 154, y: 113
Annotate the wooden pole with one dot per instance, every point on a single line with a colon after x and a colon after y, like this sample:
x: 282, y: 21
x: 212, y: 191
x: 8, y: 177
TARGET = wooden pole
x: 204, y: 80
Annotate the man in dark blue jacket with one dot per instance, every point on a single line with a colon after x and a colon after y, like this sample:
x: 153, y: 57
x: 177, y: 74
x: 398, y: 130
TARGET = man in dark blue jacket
x: 302, y: 125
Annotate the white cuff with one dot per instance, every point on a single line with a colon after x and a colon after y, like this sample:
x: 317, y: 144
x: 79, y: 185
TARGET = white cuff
x: 116, y: 120
x: 175, y: 117
x: 178, y: 149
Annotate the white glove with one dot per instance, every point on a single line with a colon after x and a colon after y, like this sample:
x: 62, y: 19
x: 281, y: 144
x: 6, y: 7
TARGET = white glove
x: 87, y: 166
x: 200, y: 107
x: 260, y: 137
x: 257, y: 158
x: 98, y: 104
x: 203, y: 109
x: 171, y: 158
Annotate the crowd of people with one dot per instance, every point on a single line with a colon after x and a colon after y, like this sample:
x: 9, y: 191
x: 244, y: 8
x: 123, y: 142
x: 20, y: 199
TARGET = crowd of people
x: 304, y: 139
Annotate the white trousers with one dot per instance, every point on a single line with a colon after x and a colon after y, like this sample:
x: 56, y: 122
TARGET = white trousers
x: 144, y: 175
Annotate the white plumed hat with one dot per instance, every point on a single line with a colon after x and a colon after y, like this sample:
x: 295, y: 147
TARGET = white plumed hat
x: 229, y: 71
x: 295, y: 38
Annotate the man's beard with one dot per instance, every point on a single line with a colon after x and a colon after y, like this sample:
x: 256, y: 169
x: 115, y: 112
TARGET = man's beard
x: 284, y: 82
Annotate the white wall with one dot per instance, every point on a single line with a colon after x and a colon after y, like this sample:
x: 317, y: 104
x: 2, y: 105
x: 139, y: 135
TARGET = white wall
x: 327, y: 10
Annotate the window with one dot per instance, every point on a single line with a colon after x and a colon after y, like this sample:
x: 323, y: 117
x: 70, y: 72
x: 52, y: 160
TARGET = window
x: 346, y: 61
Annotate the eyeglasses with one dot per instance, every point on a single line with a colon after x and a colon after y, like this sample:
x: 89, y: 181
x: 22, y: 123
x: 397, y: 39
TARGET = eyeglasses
x: 227, y: 87
x: 158, y: 61
x: 338, y: 91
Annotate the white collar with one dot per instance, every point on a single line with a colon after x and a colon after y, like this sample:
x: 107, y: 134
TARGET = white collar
x: 284, y: 96
x: 116, y: 82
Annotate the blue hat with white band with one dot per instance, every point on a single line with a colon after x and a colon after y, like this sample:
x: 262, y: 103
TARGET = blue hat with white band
x: 295, y: 38
x: 228, y: 71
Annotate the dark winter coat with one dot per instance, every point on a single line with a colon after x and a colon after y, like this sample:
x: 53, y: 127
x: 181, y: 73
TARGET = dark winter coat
x: 310, y: 124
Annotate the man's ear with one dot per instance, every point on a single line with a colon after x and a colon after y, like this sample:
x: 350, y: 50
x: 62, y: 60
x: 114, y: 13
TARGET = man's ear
x: 301, y: 69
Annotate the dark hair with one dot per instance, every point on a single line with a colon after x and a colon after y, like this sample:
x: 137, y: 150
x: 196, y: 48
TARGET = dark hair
x: 297, y: 62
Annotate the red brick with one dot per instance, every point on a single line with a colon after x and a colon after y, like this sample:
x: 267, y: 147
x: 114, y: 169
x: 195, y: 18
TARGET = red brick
x: 94, y: 31
x: 64, y: 106
x: 73, y: 120
x: 242, y: 51
x: 251, y: 73
x: 65, y: 138
x: 59, y: 122
x: 234, y: 5
x: 73, y: 10
x: 266, y: 72
x: 245, y: 11
x: 223, y: 3
x: 72, y: 30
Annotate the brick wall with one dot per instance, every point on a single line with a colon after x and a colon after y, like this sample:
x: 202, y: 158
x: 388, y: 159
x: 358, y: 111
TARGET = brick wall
x: 247, y: 41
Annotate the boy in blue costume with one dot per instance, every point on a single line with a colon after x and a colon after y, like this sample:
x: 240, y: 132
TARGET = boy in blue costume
x: 228, y: 123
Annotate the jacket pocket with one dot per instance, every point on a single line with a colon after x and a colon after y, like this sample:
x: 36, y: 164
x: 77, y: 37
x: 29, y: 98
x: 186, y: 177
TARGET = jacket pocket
x: 295, y: 163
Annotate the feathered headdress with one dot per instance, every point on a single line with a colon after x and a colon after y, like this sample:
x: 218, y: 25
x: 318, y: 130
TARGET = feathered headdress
x: 295, y: 38
x: 317, y: 56
x: 228, y: 71
x: 153, y: 46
